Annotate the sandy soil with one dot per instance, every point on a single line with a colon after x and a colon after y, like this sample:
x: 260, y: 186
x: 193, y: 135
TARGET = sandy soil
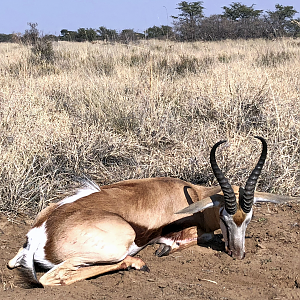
x: 269, y: 271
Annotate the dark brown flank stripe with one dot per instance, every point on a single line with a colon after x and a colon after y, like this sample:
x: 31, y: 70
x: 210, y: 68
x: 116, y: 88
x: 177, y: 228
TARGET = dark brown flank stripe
x: 190, y: 198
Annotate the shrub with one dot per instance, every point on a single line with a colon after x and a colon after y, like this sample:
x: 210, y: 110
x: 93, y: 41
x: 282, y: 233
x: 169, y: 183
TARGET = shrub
x: 43, y: 50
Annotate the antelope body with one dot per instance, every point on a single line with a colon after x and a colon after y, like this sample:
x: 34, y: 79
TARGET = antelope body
x: 98, y: 230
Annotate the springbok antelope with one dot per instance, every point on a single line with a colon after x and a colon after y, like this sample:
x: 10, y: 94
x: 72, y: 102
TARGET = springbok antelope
x: 98, y: 230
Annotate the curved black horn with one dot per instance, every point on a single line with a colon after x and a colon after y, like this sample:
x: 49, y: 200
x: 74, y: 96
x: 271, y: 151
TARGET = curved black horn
x: 247, y: 200
x: 229, y: 197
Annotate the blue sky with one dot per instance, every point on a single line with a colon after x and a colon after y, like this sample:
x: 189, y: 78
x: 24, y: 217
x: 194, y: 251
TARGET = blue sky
x: 54, y: 15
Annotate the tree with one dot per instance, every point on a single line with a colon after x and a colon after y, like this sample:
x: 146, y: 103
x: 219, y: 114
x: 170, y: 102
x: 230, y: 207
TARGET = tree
x: 186, y: 22
x: 282, y: 13
x: 31, y: 35
x: 238, y: 11
x: 167, y: 31
x: 158, y: 32
x: 67, y: 35
x: 281, y: 19
x: 295, y: 27
x: 91, y: 34
x: 190, y: 11
x: 107, y: 34
x: 129, y: 35
x: 153, y: 32
x: 81, y: 35
x: 246, y: 20
x: 86, y: 34
x: 4, y: 38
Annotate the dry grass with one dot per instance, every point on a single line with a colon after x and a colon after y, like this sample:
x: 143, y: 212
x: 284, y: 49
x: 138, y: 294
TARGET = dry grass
x: 155, y: 108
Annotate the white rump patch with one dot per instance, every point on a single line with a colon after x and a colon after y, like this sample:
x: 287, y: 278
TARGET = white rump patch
x: 33, y: 251
x: 37, y: 239
x: 88, y: 189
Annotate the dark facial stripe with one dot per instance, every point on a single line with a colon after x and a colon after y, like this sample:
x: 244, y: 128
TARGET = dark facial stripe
x: 227, y: 230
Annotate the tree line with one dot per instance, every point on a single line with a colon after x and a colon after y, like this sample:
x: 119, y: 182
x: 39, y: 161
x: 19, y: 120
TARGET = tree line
x: 237, y: 21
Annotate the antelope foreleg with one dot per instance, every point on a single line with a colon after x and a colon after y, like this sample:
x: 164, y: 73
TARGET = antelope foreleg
x: 177, y: 241
x: 69, y: 272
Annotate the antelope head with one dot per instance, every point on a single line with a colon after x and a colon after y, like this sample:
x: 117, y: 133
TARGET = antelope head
x: 235, y: 208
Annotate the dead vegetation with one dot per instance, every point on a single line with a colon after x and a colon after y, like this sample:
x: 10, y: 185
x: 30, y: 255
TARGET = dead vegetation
x: 114, y: 112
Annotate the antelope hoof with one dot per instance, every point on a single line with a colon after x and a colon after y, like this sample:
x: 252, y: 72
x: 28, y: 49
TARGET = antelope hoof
x: 163, y: 250
x: 145, y: 268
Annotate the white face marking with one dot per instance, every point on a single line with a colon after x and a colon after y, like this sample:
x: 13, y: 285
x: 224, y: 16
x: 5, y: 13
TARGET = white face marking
x: 86, y: 191
x: 234, y: 235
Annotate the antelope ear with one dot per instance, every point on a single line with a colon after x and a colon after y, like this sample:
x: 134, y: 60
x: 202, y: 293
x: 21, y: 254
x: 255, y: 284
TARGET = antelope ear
x: 273, y: 198
x: 215, y: 200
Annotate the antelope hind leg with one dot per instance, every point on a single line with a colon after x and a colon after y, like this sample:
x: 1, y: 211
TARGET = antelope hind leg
x: 70, y: 271
x: 14, y: 262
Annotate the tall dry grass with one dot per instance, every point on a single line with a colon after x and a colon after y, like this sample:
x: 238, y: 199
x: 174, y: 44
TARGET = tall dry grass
x: 114, y: 112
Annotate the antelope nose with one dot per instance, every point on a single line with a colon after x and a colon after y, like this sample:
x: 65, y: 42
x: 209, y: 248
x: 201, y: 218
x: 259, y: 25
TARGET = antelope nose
x: 238, y: 254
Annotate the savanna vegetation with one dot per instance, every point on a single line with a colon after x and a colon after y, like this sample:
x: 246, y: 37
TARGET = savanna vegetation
x: 154, y: 108
x: 238, y: 21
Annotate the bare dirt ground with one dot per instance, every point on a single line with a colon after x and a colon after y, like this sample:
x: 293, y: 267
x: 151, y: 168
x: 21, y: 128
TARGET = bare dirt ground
x: 270, y: 269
